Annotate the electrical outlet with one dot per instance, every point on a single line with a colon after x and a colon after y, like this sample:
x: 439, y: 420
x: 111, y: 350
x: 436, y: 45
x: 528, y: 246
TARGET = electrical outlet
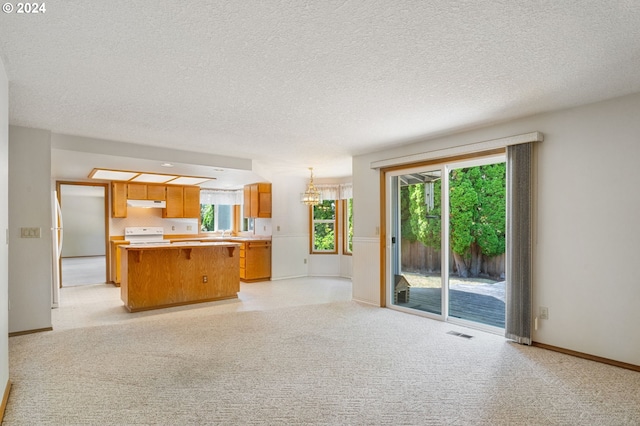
x: 205, y: 279
x: 189, y: 228
x: 305, y: 261
x: 544, y: 312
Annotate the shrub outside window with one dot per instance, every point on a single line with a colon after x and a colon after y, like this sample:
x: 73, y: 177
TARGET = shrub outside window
x: 216, y: 217
x: 324, y: 220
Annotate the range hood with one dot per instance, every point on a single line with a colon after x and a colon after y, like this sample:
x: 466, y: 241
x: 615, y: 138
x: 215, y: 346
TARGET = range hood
x: 147, y: 204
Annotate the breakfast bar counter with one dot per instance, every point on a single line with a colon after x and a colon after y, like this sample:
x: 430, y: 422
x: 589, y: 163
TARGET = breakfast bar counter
x: 160, y: 276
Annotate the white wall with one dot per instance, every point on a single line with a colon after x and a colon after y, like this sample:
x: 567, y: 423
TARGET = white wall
x: 4, y: 224
x: 587, y: 238
x: 30, y: 201
x: 290, y: 224
x: 290, y: 235
x: 83, y: 225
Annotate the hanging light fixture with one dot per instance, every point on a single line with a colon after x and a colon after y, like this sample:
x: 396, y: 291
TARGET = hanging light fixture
x: 311, y: 196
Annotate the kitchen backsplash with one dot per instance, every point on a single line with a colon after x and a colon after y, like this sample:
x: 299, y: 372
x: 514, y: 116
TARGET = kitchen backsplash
x: 153, y: 217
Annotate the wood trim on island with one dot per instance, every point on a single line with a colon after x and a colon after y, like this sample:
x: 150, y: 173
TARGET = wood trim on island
x: 162, y: 276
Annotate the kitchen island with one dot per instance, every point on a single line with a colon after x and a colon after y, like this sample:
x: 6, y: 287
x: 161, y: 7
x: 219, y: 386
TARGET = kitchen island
x: 160, y: 276
x: 255, y: 255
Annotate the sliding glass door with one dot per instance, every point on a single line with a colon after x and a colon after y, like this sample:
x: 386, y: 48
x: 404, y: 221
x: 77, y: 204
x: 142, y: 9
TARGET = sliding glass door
x: 416, y: 281
x: 447, y: 241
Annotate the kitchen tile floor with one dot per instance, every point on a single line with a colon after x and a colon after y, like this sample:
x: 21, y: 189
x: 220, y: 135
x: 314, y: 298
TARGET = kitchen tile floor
x: 100, y: 304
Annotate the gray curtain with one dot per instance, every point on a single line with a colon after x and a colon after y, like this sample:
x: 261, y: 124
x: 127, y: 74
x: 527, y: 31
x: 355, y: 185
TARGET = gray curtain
x: 519, y: 242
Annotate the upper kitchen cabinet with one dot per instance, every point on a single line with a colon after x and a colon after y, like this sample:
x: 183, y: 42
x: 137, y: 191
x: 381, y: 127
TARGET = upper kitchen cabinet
x: 118, y: 199
x: 141, y: 191
x: 182, y: 201
x: 191, y: 201
x: 257, y: 200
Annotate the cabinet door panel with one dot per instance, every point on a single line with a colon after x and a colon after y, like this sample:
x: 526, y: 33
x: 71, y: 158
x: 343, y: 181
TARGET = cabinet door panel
x: 136, y: 191
x: 264, y: 200
x: 191, y: 201
x: 118, y: 199
x: 255, y: 200
x: 246, y: 211
x: 156, y: 192
x: 174, y: 202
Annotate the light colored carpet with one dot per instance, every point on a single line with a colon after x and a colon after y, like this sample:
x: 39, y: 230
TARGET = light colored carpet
x: 334, y: 363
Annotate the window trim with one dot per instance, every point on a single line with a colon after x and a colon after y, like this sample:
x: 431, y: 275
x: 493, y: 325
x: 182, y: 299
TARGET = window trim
x: 345, y: 227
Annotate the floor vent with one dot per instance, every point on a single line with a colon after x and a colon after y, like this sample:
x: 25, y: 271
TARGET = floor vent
x: 455, y: 333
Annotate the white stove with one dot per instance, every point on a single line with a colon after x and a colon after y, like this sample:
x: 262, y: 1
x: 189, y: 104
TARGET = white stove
x: 145, y: 235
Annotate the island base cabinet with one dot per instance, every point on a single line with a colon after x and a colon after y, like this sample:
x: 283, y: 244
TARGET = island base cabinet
x: 162, y: 277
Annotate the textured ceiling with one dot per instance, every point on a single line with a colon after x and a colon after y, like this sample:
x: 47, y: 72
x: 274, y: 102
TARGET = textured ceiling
x: 295, y: 83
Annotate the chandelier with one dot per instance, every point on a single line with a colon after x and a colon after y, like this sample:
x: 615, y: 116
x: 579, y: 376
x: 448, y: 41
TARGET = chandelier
x: 311, y: 196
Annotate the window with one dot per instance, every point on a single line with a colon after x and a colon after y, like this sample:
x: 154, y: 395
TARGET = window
x: 323, y: 227
x: 216, y: 217
x: 347, y: 220
x: 220, y: 210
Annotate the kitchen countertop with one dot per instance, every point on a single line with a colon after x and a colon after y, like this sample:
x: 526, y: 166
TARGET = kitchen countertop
x: 241, y: 239
x: 181, y: 244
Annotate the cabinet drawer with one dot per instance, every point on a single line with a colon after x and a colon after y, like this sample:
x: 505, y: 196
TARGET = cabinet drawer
x: 258, y: 245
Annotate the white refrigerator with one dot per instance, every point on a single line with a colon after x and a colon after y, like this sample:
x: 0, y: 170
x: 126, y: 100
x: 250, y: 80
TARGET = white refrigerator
x: 57, y: 234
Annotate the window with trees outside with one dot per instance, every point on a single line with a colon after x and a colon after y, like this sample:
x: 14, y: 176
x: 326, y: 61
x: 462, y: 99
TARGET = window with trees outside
x: 218, y: 209
x: 216, y: 217
x: 323, y: 224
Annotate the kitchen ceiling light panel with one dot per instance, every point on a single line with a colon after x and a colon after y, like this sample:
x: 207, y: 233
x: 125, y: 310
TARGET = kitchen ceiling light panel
x: 112, y: 174
x: 185, y: 180
x: 153, y: 178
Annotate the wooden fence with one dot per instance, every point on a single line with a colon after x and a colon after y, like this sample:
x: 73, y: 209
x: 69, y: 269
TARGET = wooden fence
x: 416, y: 257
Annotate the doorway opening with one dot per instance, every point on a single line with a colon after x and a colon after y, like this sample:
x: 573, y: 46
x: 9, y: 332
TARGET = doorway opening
x: 83, y: 238
x: 447, y: 224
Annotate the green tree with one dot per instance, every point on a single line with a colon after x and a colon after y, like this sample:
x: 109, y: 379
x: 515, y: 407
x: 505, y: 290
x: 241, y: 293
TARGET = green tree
x: 423, y: 225
x: 207, y: 217
x: 324, y: 215
x: 477, y: 215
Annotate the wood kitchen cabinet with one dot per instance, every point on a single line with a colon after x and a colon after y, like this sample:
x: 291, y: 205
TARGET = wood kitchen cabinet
x: 164, y: 276
x: 116, y: 256
x: 182, y: 201
x: 191, y: 200
x: 136, y: 191
x: 122, y: 191
x: 257, y: 200
x: 141, y: 191
x: 118, y: 199
x: 175, y: 205
x: 255, y: 261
